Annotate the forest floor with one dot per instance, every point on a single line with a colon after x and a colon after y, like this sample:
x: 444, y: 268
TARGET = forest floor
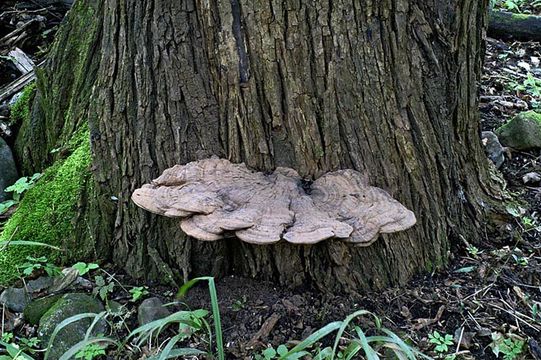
x: 490, y: 292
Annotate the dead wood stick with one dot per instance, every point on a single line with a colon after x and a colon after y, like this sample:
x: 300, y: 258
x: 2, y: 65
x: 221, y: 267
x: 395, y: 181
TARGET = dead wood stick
x: 17, y: 31
x: 14, y: 87
x: 265, y: 330
x: 22, y: 62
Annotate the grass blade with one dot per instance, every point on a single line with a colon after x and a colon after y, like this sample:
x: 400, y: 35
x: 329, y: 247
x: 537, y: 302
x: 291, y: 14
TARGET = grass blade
x: 62, y: 325
x: 324, y: 354
x: 5, y: 244
x: 167, y: 349
x: 176, y: 353
x: 345, y: 324
x: 215, y: 309
x: 312, y: 339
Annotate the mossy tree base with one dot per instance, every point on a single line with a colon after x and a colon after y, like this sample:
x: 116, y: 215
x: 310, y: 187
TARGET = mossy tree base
x: 48, y: 213
x: 54, y: 139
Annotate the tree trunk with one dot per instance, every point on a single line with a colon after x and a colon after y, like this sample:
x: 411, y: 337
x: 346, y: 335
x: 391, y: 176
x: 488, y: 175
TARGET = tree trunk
x: 384, y: 87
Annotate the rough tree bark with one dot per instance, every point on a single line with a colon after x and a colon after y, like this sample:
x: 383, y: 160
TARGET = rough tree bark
x: 384, y: 87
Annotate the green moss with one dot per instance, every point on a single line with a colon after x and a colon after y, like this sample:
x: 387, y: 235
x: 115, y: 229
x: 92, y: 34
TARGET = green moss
x: 47, y: 211
x: 20, y: 111
x: 37, y: 308
x: 523, y: 132
x: 519, y: 17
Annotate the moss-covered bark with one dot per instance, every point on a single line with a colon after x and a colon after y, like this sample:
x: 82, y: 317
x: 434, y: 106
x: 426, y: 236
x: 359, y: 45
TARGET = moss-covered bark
x: 64, y: 87
x: 20, y: 111
x: 54, y: 138
x: 48, y: 211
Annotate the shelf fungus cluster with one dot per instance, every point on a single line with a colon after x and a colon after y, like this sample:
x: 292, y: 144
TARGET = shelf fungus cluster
x: 215, y: 198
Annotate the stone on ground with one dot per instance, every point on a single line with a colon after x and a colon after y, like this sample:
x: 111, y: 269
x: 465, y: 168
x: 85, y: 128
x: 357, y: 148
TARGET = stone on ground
x: 151, y: 309
x: 15, y: 299
x: 493, y: 148
x: 523, y: 132
x: 531, y: 178
x: 8, y: 170
x: 37, y: 308
x: 67, y: 306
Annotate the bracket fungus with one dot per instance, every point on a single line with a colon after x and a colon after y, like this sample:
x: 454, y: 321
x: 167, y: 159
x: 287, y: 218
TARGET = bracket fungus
x: 215, y: 198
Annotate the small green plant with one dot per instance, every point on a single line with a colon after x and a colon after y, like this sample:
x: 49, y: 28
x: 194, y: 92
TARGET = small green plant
x: 91, y: 351
x: 513, y: 5
x: 530, y: 85
x: 30, y: 345
x: 509, y: 347
x: 473, y: 251
x: 536, y: 312
x: 441, y: 342
x: 271, y: 353
x: 13, y: 352
x: 520, y: 260
x: 358, y: 345
x: 20, y: 186
x: 103, y: 288
x: 528, y: 222
x: 239, y: 304
x: 7, y: 337
x: 33, y: 264
x: 84, y: 268
x: 138, y: 293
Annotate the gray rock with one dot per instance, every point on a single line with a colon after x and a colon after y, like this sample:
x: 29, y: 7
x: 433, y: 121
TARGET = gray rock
x: 15, y: 299
x: 531, y: 178
x: 8, y: 175
x: 40, y: 284
x: 493, y: 148
x: 67, y: 306
x: 151, y: 309
x: 523, y: 132
x: 37, y: 308
x: 4, y: 110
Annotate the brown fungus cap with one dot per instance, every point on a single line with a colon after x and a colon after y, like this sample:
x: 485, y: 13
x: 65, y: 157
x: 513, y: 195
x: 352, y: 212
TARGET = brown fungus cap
x: 215, y: 198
